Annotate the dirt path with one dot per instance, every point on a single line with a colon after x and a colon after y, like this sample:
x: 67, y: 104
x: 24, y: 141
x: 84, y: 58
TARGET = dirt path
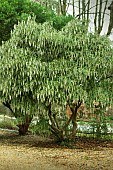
x: 30, y: 153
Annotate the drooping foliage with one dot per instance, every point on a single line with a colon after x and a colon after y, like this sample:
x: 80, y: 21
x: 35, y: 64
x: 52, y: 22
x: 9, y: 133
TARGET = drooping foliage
x: 13, y: 11
x: 40, y: 65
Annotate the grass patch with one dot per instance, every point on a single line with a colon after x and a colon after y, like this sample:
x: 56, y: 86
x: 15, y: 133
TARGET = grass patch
x: 90, y: 135
x: 8, y: 124
x: 40, y: 128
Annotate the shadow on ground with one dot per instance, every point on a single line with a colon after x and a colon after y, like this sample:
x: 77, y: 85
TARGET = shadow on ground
x: 12, y: 138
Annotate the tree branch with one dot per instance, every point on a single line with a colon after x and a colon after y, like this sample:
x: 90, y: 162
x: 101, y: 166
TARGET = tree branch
x: 89, y: 10
x: 7, y: 104
x: 74, y: 112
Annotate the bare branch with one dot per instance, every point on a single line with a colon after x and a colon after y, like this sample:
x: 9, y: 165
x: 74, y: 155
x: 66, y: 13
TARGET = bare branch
x: 89, y: 13
x: 105, y: 7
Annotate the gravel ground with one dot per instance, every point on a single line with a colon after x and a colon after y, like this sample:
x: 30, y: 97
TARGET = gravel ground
x: 37, y: 153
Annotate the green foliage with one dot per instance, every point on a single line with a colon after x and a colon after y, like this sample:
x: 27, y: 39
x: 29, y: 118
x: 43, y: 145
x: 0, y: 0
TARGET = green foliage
x: 41, y: 62
x: 60, y: 21
x: 17, y: 10
x: 40, y: 65
x: 10, y: 13
x: 41, y: 128
x: 42, y: 14
x: 8, y: 124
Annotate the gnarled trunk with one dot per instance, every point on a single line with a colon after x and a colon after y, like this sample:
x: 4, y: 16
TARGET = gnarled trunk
x: 23, y: 127
x: 61, y: 133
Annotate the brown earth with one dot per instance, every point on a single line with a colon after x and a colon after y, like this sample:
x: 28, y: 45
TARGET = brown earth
x: 36, y: 153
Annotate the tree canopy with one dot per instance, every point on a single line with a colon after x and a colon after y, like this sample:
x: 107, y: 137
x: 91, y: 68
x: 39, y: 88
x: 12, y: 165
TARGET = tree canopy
x: 39, y: 62
x: 40, y: 65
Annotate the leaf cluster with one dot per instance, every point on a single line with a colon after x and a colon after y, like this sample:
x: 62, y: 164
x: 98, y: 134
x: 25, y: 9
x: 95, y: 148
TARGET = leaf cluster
x: 40, y: 65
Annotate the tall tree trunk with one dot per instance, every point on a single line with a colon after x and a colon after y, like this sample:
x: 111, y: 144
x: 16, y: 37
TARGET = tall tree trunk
x: 99, y: 18
x: 63, y: 6
x: 79, y: 5
x: 96, y: 16
x: 88, y: 9
x: 73, y: 4
x: 83, y: 9
x: 111, y: 19
x: 100, y: 9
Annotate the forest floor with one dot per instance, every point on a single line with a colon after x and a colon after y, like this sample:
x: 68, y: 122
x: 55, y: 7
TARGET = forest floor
x: 36, y: 153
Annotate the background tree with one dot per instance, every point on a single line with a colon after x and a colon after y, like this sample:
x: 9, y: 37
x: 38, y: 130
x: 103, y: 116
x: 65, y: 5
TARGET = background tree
x: 12, y: 12
x: 51, y: 4
x: 41, y: 66
x: 94, y: 11
x: 89, y: 9
x: 59, y: 6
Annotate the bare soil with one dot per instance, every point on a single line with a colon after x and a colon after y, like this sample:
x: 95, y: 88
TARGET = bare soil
x: 36, y: 153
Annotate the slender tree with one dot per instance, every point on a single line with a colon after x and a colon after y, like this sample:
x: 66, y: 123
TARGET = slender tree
x: 86, y: 9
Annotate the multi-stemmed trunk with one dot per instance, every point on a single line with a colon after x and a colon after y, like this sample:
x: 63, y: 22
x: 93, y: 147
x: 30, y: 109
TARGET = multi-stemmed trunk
x: 61, y: 133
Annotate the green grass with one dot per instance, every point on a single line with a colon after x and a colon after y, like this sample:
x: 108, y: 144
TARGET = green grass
x: 8, y: 124
x: 41, y: 128
x: 103, y: 137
